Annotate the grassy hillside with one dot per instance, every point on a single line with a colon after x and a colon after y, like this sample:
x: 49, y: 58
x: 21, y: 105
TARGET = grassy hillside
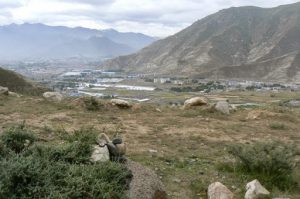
x: 188, y: 149
x: 17, y: 83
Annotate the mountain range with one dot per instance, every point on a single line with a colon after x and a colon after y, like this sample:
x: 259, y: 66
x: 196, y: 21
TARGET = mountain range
x: 237, y: 43
x: 37, y: 41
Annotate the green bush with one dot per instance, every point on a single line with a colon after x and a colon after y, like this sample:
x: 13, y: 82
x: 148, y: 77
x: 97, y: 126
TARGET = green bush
x: 92, y: 104
x: 37, y: 177
x: 17, y: 139
x: 86, y: 135
x: 3, y: 151
x: 273, y: 163
x: 60, y: 171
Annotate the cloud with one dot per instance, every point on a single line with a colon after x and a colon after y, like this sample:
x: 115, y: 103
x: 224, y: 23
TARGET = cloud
x: 154, y: 17
x: 91, y: 2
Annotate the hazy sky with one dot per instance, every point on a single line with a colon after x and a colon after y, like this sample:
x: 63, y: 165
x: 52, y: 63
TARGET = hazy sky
x: 152, y: 17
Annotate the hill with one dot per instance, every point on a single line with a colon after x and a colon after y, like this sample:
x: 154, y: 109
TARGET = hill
x: 240, y: 42
x: 17, y: 83
x: 37, y: 41
x: 187, y: 148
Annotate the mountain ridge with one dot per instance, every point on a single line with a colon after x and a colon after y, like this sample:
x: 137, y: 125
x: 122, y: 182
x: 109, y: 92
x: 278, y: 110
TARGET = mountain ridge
x: 43, y: 41
x: 232, y: 39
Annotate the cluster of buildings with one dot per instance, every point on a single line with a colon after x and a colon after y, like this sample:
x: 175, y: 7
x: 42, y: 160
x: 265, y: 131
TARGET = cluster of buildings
x: 230, y: 84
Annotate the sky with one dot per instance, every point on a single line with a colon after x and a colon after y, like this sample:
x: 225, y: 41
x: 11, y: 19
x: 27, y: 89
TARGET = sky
x: 158, y: 18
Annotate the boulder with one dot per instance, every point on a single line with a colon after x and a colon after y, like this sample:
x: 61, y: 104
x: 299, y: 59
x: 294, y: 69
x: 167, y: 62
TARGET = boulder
x: 100, y: 154
x: 53, y: 96
x: 255, y: 190
x: 120, y: 103
x: 13, y: 94
x: 3, y: 90
x: 195, y: 101
x: 293, y: 103
x: 223, y: 107
x: 145, y: 184
x: 219, y: 191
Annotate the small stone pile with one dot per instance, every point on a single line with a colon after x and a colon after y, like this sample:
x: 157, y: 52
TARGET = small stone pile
x: 145, y: 184
x: 107, y: 149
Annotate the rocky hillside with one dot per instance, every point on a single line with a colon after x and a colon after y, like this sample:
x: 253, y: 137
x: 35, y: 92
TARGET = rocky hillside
x: 17, y: 83
x: 243, y: 42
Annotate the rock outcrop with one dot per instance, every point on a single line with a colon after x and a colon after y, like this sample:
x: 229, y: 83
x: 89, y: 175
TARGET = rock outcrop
x: 293, y: 103
x: 120, y: 103
x: 53, y: 96
x: 195, y: 101
x: 219, y: 191
x: 145, y: 183
x: 100, y: 154
x: 255, y: 190
x: 4, y: 90
x: 223, y: 107
x: 13, y: 94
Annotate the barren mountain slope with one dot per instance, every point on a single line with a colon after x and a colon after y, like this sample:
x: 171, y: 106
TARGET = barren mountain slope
x: 244, y: 42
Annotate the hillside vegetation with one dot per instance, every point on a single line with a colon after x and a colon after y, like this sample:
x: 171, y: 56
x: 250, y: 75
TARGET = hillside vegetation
x: 31, y: 169
x: 188, y: 149
x: 17, y: 83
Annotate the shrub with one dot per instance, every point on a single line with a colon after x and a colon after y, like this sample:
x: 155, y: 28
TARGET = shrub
x: 60, y: 171
x: 17, y: 138
x: 37, y: 177
x: 76, y: 150
x: 92, y: 104
x: 86, y: 135
x: 3, y: 151
x: 273, y: 163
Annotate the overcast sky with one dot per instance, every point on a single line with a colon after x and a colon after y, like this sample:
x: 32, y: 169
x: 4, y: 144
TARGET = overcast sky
x: 153, y: 17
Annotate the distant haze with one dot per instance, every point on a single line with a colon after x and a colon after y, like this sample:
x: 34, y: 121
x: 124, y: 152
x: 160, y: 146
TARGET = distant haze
x: 38, y: 41
x: 153, y: 17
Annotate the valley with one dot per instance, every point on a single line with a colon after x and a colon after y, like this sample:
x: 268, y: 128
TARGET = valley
x: 207, y: 106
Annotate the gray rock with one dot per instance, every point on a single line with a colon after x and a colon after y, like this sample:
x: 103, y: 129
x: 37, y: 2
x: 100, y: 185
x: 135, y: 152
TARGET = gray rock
x: 219, y: 191
x: 120, y: 103
x: 294, y: 103
x: 255, y: 190
x: 53, y: 96
x: 145, y: 183
x: 100, y: 154
x: 3, y: 90
x: 13, y: 94
x: 223, y: 107
x: 195, y: 101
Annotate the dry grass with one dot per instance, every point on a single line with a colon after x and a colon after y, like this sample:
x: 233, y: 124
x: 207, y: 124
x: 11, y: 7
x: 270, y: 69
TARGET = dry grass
x: 190, y: 144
